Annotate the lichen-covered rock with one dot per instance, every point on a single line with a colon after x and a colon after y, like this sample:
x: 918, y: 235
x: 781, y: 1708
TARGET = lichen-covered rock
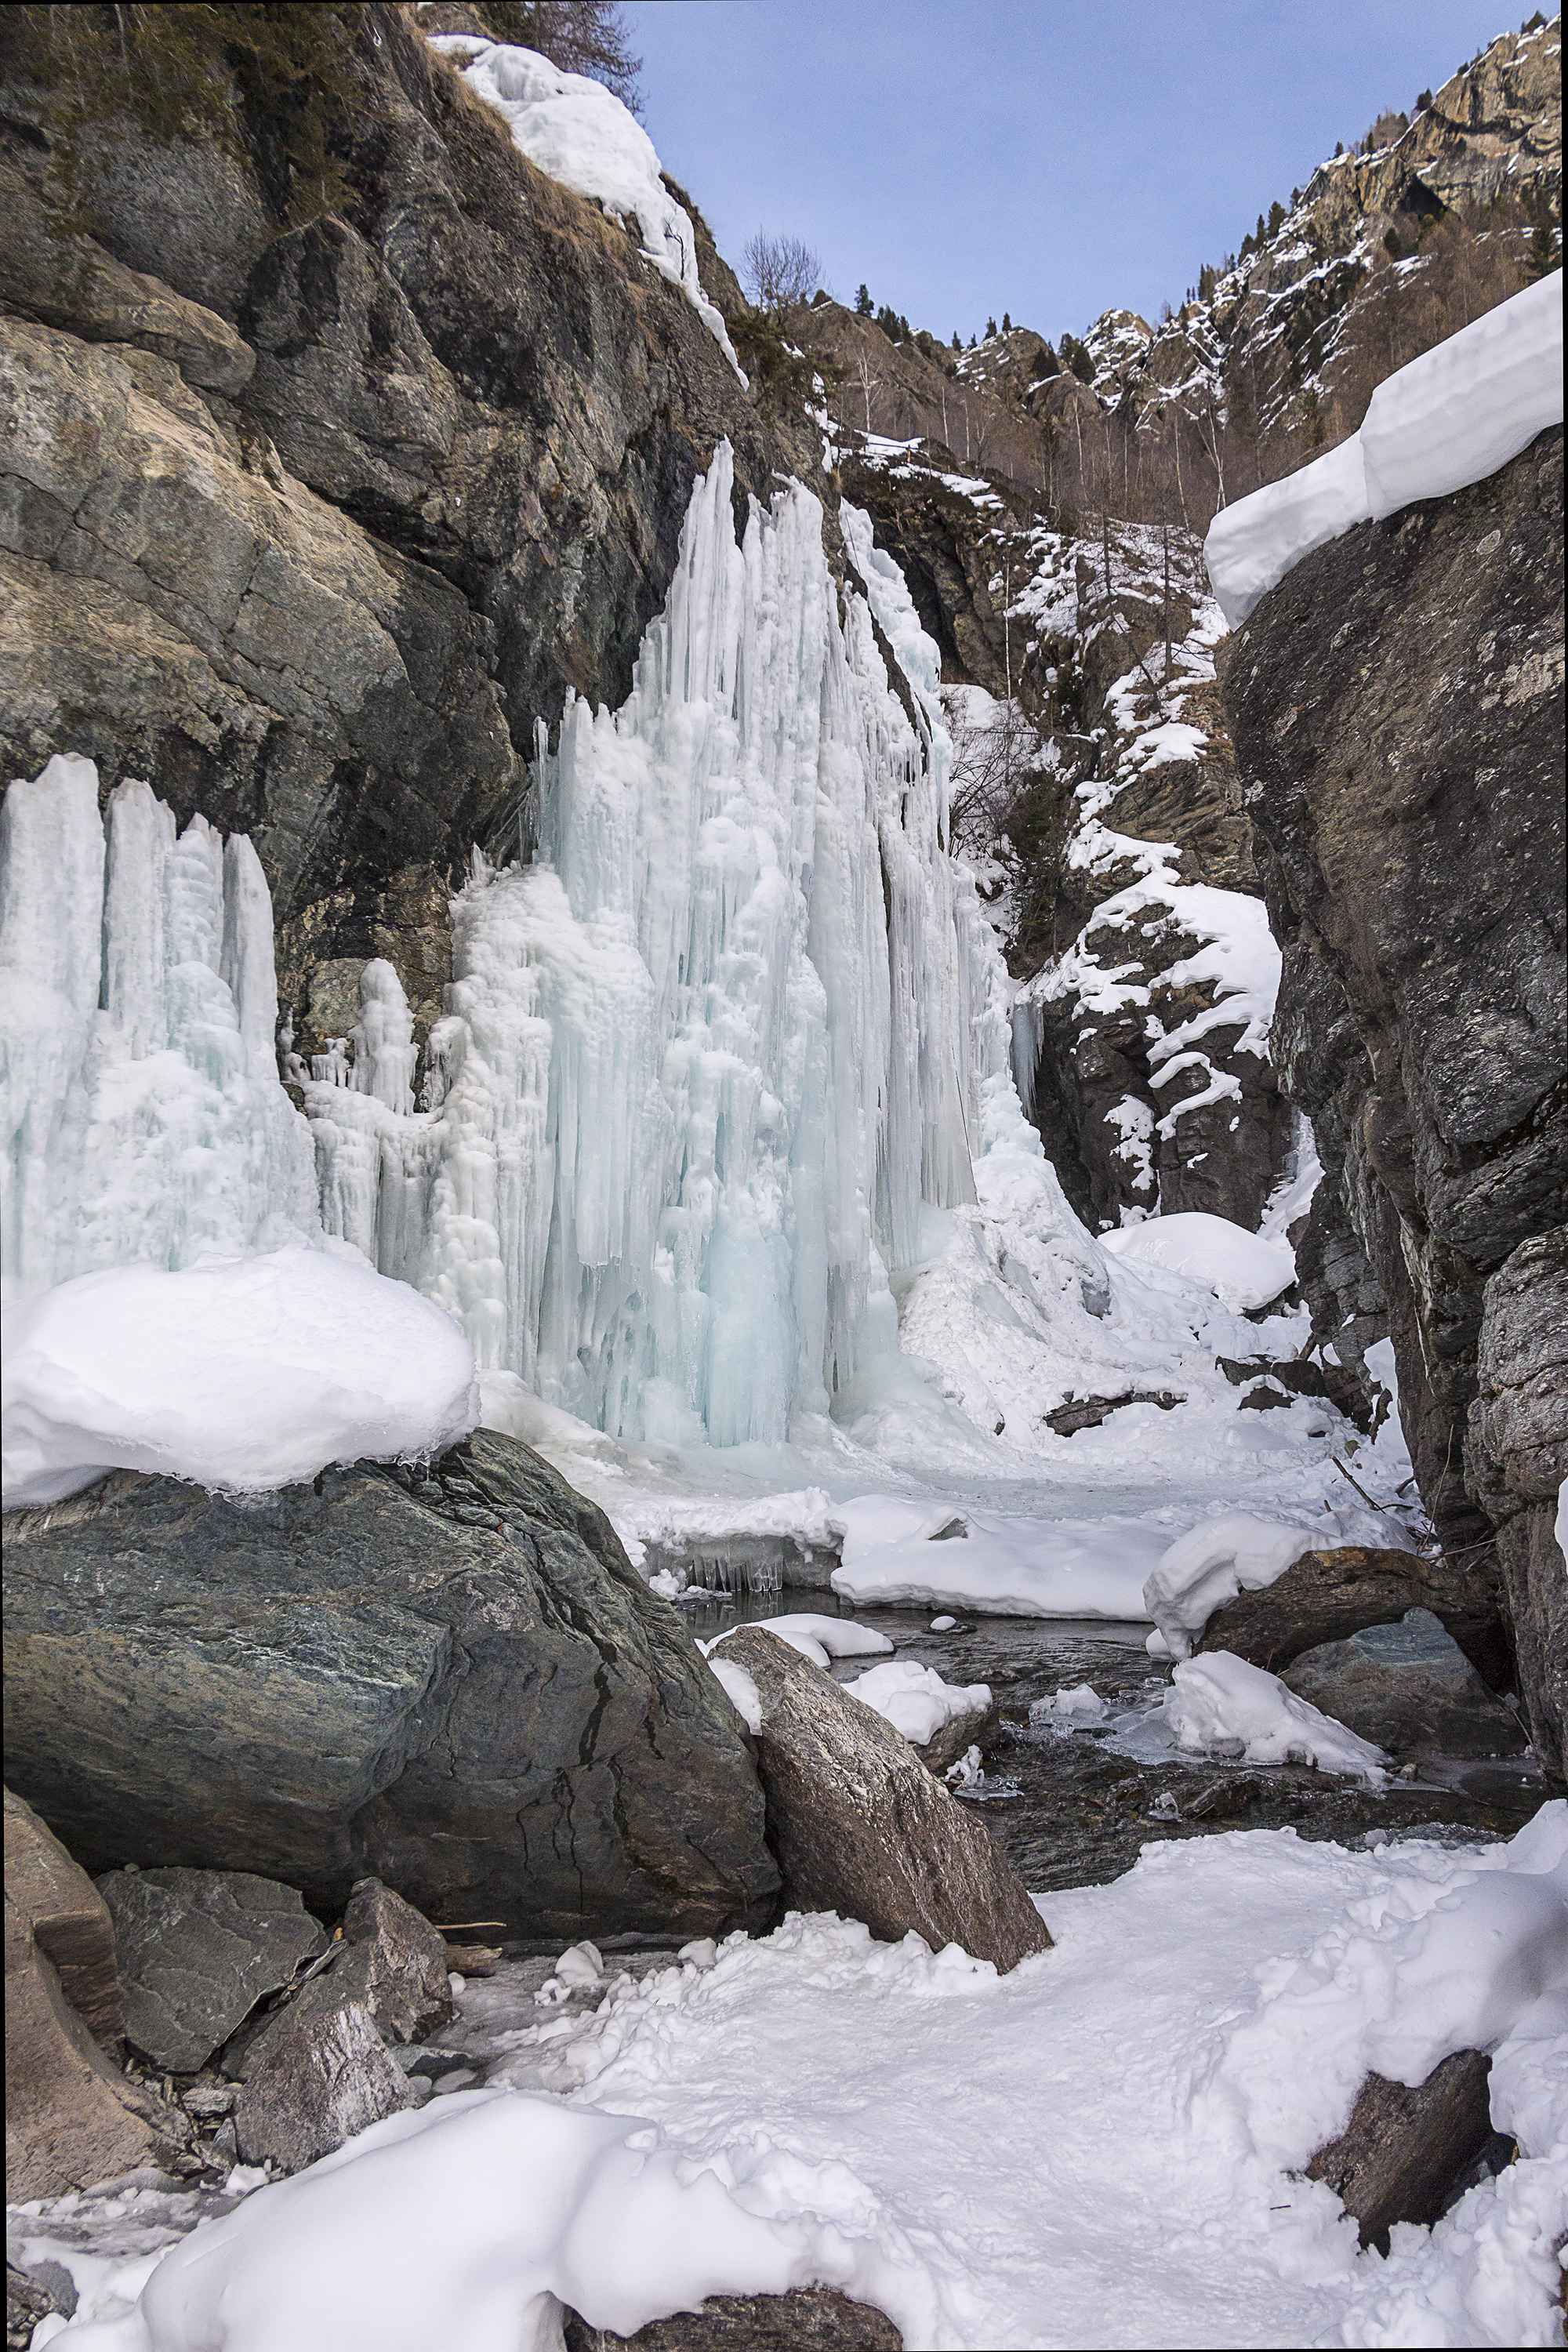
x: 860, y: 1825
x: 1396, y: 708
x: 197, y: 1950
x: 329, y: 2078
x: 452, y: 1681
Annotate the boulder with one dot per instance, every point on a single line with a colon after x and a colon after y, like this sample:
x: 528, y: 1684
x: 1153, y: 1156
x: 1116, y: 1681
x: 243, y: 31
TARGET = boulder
x: 32, y: 2296
x: 1404, y: 2152
x: 806, y: 2319
x: 450, y: 1679
x: 70, y: 1920
x: 390, y: 1962
x: 329, y: 2079
x: 860, y: 1825
x: 72, y: 2117
x: 198, y: 1949
x: 1430, y: 1702
x: 1327, y: 1596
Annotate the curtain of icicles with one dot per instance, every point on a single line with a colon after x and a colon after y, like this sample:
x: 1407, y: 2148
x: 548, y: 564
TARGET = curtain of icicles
x: 701, y: 1061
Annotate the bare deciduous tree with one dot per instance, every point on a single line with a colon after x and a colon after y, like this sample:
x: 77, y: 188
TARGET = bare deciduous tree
x: 866, y: 381
x: 779, y: 273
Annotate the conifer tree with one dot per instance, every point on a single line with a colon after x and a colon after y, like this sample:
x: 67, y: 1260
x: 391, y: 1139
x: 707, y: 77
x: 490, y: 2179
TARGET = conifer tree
x: 862, y: 303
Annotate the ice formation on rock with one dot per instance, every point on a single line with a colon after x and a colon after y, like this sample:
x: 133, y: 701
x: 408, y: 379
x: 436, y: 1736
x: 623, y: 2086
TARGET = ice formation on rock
x: 140, y: 1116
x: 707, y: 1059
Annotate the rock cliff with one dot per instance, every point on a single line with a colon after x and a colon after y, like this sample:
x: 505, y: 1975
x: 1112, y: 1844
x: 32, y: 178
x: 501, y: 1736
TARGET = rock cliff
x: 1396, y: 708
x: 324, y: 491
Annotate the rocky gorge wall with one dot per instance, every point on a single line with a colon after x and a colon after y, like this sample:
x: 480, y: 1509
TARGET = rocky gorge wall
x: 1395, y: 704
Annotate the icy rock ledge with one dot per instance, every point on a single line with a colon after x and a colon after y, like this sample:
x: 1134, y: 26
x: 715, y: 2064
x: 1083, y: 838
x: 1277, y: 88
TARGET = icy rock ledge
x: 244, y: 1374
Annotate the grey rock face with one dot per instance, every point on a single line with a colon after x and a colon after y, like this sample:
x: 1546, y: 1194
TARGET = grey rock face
x: 329, y: 2078
x: 391, y: 1963
x: 1516, y: 1457
x: 860, y: 1825
x: 806, y: 2319
x: 1397, y: 714
x: 1404, y: 2151
x: 197, y: 1950
x: 454, y: 1681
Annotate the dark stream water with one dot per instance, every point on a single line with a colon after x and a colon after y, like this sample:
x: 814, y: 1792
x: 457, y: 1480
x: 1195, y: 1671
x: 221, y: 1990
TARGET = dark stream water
x: 1073, y: 1809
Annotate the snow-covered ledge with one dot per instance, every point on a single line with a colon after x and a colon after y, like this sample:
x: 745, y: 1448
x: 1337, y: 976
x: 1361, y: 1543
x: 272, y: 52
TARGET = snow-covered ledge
x: 1451, y: 417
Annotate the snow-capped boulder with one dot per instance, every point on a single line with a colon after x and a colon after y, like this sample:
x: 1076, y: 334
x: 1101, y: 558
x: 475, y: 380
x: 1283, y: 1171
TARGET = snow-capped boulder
x: 454, y: 1681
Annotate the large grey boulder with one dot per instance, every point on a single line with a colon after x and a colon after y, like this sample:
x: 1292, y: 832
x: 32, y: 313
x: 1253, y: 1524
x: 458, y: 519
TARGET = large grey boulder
x: 330, y: 2078
x: 453, y: 1681
x: 1405, y: 2151
x: 197, y: 1950
x: 390, y: 1962
x: 861, y: 1826
x: 1432, y: 1701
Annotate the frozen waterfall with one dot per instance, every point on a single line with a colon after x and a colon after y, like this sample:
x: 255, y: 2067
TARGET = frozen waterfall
x: 140, y: 1116
x: 702, y: 1063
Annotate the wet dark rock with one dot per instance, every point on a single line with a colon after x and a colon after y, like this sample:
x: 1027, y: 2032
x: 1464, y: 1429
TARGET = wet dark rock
x: 1403, y: 2150
x: 860, y: 1825
x: 1087, y: 1412
x: 1327, y: 1596
x: 68, y: 1919
x: 453, y: 1681
x: 197, y: 1950
x: 1431, y: 1703
x: 329, y: 2079
x: 390, y: 1962
x: 1396, y: 709
x: 806, y: 2319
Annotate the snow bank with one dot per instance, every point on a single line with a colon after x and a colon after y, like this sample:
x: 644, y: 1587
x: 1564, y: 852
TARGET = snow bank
x: 1242, y: 1552
x: 242, y: 1374
x: 581, y: 133
x: 1024, y: 1567
x: 916, y: 1701
x: 1219, y: 1706
x: 1449, y: 418
x: 1120, y: 2161
x: 742, y: 1690
x: 1242, y: 1269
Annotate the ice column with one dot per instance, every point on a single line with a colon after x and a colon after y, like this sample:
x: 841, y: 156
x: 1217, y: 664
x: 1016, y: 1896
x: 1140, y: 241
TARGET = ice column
x: 140, y: 1116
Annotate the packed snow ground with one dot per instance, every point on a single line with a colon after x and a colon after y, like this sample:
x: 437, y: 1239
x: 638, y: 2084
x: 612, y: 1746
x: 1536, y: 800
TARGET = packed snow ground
x: 1101, y: 2148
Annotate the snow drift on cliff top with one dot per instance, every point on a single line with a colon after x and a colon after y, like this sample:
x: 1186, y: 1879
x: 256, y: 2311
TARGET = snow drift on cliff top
x: 579, y: 132
x: 1449, y: 418
x: 1104, y: 2148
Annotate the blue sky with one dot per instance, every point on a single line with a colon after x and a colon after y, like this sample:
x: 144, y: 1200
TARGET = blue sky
x: 1052, y: 159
